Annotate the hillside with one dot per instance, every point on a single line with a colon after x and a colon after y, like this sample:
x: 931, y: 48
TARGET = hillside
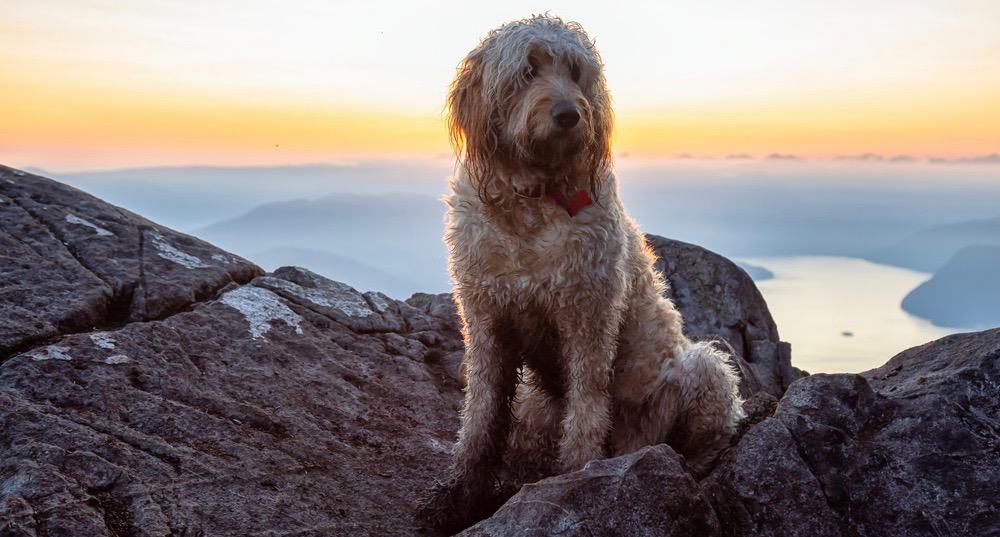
x: 965, y: 292
x: 930, y: 249
x: 397, y: 234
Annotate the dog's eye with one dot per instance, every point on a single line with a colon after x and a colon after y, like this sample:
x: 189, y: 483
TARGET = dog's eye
x: 574, y: 72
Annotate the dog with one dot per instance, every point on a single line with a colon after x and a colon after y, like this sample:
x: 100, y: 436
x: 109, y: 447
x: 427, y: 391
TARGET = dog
x: 572, y: 351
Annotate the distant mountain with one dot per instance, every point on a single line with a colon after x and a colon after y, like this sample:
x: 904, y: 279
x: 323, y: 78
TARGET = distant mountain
x: 189, y: 197
x: 397, y: 235
x: 965, y: 292
x: 358, y: 275
x: 758, y: 274
x: 929, y: 249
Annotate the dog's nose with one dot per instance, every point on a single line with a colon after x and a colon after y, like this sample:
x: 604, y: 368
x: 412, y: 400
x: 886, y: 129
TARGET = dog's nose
x: 565, y: 114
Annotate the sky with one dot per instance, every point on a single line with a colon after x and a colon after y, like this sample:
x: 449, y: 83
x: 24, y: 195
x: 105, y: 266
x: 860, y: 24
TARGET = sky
x: 93, y: 84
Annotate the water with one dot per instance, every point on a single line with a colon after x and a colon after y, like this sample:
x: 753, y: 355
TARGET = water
x: 842, y: 314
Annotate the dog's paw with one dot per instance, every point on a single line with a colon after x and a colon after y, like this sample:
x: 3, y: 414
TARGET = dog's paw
x: 450, y: 507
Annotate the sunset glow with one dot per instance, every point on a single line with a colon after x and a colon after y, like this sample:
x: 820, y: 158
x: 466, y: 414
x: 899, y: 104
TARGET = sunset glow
x: 97, y: 85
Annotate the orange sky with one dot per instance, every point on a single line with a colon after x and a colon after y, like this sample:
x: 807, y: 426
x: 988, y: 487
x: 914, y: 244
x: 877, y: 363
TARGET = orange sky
x: 97, y: 85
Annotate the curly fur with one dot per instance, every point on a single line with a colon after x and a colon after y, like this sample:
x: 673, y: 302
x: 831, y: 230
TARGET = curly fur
x: 572, y: 351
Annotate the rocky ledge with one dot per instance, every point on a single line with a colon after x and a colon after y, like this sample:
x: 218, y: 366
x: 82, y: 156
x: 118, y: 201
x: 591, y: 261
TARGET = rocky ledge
x: 151, y: 384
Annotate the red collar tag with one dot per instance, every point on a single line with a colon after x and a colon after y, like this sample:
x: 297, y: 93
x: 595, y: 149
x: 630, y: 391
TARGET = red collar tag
x: 574, y: 204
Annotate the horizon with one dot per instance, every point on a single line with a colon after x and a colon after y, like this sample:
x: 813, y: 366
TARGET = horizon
x: 151, y: 84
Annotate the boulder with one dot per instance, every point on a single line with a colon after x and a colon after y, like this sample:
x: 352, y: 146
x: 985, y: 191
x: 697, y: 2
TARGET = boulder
x: 152, y: 384
x: 608, y: 497
x: 292, y: 404
x: 70, y: 262
x: 719, y: 300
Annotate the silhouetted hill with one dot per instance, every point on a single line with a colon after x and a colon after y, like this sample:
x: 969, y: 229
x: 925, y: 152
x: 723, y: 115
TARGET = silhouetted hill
x: 757, y: 273
x: 336, y: 267
x: 929, y: 249
x: 397, y: 234
x: 965, y: 292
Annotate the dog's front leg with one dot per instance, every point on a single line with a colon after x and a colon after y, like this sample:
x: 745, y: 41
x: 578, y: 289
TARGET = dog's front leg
x: 587, y: 340
x: 491, y: 380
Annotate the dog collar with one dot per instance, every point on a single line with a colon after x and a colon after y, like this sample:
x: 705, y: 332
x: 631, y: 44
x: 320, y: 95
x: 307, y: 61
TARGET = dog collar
x: 573, y: 204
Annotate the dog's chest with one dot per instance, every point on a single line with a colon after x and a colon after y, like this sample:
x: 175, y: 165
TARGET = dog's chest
x: 552, y: 249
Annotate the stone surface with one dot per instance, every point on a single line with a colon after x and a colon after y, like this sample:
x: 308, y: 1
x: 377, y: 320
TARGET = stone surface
x: 719, y: 300
x: 210, y: 399
x: 292, y: 405
x: 610, y: 497
x: 70, y: 262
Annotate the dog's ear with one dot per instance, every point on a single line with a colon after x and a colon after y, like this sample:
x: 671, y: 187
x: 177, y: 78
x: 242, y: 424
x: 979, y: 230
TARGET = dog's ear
x: 603, y: 124
x: 473, y: 131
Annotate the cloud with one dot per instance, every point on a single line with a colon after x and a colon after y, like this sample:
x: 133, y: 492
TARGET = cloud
x: 875, y: 157
x: 992, y: 158
x: 739, y: 156
x: 782, y: 156
x: 863, y: 157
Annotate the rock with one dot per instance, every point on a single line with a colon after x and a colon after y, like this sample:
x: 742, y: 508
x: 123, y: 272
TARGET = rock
x: 277, y: 406
x: 911, y: 448
x: 210, y: 400
x: 72, y: 262
x: 719, y: 300
x: 965, y: 292
x: 608, y: 497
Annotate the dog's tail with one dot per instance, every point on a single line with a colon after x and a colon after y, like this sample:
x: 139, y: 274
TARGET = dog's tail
x: 710, y: 404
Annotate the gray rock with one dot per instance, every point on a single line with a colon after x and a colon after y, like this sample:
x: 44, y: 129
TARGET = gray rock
x: 718, y: 300
x: 608, y: 497
x: 71, y: 262
x: 208, y: 401
x: 263, y: 411
x: 911, y: 448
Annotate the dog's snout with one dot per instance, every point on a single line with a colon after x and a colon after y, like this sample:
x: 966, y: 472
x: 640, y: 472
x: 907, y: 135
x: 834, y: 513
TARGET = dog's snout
x: 565, y: 114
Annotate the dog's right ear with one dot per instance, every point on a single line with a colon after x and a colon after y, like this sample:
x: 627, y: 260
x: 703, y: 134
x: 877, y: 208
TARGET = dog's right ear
x: 474, y: 134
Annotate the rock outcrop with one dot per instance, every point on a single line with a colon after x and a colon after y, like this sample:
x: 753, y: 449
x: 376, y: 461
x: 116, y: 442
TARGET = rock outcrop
x: 153, y: 385
x: 719, y: 300
x: 71, y: 262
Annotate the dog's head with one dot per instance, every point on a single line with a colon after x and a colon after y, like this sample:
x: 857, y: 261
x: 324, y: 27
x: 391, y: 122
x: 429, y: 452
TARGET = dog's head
x: 530, y: 107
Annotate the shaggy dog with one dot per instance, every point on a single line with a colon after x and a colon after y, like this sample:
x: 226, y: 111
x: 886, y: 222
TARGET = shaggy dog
x: 572, y: 351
